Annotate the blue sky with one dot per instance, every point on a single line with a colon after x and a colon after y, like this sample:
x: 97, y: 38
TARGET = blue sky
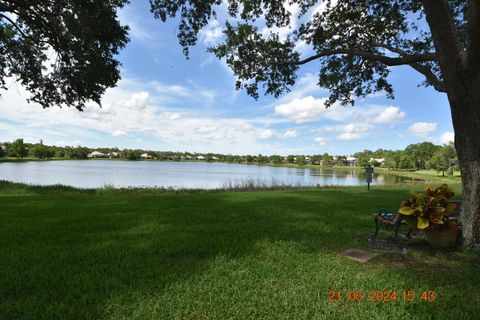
x: 165, y: 102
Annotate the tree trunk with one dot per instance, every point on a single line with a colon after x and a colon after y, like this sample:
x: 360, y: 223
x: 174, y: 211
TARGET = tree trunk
x: 465, y: 107
x: 470, y: 213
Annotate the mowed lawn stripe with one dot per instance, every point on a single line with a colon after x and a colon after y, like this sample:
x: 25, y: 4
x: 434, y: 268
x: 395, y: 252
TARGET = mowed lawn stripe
x: 216, y: 255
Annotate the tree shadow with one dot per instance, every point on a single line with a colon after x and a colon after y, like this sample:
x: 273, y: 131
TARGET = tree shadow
x: 91, y: 257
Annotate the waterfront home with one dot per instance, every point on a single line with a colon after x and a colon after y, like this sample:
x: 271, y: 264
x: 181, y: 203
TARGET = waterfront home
x: 377, y: 162
x: 112, y: 155
x: 146, y: 156
x: 352, y: 162
x: 5, y: 150
x: 200, y: 158
x: 97, y: 154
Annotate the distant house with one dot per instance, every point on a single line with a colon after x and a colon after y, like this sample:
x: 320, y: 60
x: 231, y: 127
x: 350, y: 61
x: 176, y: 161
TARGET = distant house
x: 200, y: 158
x: 352, y: 162
x: 215, y: 159
x: 187, y: 157
x: 97, y: 154
x: 308, y: 160
x: 146, y: 156
x: 379, y: 161
x: 5, y: 150
x: 112, y: 155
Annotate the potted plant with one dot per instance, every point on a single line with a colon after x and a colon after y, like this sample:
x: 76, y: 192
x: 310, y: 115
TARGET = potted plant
x: 430, y: 212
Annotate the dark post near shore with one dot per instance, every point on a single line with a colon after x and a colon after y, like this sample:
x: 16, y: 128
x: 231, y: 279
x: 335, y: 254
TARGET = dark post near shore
x: 369, y: 174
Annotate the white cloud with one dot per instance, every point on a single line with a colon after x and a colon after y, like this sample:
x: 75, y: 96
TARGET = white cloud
x: 212, y: 33
x: 171, y: 89
x: 207, y: 129
x: 348, y: 136
x: 136, y: 109
x: 447, y: 137
x: 309, y: 108
x: 41, y: 124
x: 137, y: 100
x: 328, y: 129
x: 306, y: 85
x: 302, y: 47
x: 355, y: 128
x: 170, y: 116
x: 302, y: 109
x: 265, y: 134
x: 353, y: 131
x: 320, y: 141
x: 390, y: 115
x: 291, y: 133
x: 138, y: 29
x: 422, y: 129
x: 119, y: 133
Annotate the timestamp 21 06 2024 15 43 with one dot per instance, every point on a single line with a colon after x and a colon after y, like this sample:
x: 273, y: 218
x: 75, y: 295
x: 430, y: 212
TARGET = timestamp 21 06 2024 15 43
x: 381, y: 296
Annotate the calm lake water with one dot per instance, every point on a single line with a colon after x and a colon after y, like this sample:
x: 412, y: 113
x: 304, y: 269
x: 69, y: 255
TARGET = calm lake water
x: 98, y: 173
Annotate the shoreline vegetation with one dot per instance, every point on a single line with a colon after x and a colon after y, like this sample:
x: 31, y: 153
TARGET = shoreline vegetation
x: 239, y: 185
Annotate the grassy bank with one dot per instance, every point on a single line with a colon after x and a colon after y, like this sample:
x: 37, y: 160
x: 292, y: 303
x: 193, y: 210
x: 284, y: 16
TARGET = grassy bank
x: 151, y: 254
x: 430, y: 176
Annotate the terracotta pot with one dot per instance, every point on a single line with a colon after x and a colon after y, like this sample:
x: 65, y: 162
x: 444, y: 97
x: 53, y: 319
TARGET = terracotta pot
x: 441, y: 238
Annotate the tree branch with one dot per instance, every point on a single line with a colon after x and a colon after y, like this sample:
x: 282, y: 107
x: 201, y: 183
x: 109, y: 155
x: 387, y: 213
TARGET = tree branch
x: 15, y: 25
x: 412, y: 60
x: 445, y: 37
x: 473, y: 32
x: 389, y: 61
x: 438, y: 84
x: 431, y: 77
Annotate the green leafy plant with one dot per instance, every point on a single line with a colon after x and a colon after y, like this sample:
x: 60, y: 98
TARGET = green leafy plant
x: 430, y: 209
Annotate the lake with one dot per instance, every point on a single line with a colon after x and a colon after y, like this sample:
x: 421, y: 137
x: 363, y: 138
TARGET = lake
x: 191, y: 175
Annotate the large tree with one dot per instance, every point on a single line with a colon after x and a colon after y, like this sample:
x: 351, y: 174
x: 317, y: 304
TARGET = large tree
x: 444, y: 159
x: 356, y: 42
x: 421, y: 153
x: 18, y: 149
x: 62, y: 51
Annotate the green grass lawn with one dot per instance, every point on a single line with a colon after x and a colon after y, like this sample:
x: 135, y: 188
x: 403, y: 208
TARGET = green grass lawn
x: 112, y: 254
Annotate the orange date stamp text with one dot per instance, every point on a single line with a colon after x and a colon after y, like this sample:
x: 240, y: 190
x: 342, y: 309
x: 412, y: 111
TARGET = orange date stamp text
x: 381, y: 296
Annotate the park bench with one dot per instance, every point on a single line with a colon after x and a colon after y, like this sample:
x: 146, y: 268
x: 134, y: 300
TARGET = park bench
x: 391, y: 221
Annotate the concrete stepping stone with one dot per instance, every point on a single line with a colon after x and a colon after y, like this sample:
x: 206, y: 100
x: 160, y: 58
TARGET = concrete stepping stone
x: 359, y: 255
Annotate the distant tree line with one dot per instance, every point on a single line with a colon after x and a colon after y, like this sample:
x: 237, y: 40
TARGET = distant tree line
x: 417, y: 156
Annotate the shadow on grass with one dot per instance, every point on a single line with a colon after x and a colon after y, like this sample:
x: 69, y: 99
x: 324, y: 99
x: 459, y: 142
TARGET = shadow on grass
x: 93, y: 257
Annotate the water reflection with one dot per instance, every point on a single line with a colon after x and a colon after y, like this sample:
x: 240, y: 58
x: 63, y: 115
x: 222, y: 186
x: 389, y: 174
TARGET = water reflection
x: 98, y: 173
